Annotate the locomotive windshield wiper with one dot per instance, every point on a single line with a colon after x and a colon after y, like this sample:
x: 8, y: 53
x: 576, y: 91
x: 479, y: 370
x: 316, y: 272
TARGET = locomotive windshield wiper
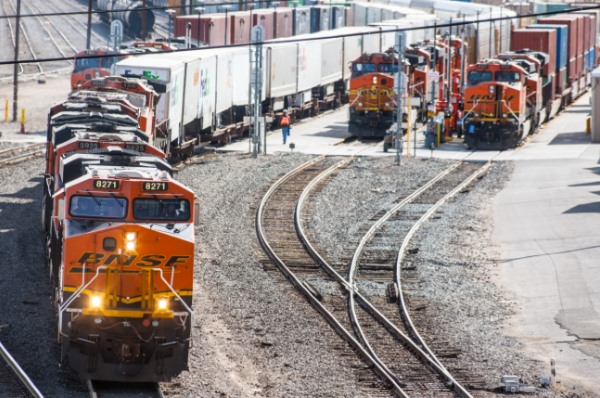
x: 93, y: 197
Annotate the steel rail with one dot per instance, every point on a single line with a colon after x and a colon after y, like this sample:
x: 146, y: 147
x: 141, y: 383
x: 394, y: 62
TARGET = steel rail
x: 349, y: 286
x: 338, y: 327
x: 18, y: 371
x: 401, y: 302
x: 29, y: 45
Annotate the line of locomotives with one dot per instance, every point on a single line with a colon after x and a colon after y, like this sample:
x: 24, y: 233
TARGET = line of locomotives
x: 206, y: 94
x: 119, y: 236
x: 495, y: 102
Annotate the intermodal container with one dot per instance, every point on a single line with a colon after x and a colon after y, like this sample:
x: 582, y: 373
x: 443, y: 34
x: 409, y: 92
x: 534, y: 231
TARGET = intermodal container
x: 561, y: 80
x: 586, y: 61
x: 592, y: 59
x: 338, y: 17
x: 575, y: 36
x: 587, y: 38
x: 562, y: 41
x: 181, y: 23
x: 283, y: 22
x: 301, y: 17
x: 239, y: 28
x: 579, y: 65
x: 572, y: 69
x: 538, y: 40
x: 266, y: 19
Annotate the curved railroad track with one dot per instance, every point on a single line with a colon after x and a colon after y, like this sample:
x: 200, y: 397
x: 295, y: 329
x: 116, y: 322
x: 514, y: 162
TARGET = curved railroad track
x: 14, y: 382
x: 395, y: 351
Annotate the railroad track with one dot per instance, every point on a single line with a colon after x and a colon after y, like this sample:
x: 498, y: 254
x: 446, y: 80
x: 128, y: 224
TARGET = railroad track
x: 14, y: 382
x: 373, y: 327
x: 26, y: 45
x: 99, y: 389
x: 18, y: 154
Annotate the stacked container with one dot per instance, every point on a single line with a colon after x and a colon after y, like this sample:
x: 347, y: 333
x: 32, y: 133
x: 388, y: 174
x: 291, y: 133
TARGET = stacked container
x: 575, y: 48
x: 562, y: 42
x: 543, y: 40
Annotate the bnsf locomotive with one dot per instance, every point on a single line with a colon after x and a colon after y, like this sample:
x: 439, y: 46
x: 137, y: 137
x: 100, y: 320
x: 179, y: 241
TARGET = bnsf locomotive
x: 120, y: 237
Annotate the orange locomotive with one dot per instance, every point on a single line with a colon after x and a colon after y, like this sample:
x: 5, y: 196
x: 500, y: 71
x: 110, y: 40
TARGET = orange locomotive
x: 372, y: 99
x: 122, y: 258
x: 120, y: 237
x: 495, y: 105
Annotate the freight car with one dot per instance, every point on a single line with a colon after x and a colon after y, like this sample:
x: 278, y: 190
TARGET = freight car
x: 120, y: 238
x: 135, y: 18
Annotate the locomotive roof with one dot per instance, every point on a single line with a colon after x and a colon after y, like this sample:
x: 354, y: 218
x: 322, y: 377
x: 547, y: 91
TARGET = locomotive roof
x: 111, y: 158
x: 65, y: 132
x: 88, y: 118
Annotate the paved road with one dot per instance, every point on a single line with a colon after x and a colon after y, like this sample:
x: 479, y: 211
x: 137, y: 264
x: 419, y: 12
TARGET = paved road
x: 547, y: 220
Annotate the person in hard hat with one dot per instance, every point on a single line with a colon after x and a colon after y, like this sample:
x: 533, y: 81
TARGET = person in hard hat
x: 285, y: 124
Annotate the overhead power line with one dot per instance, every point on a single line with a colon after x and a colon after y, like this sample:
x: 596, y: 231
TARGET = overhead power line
x: 304, y: 39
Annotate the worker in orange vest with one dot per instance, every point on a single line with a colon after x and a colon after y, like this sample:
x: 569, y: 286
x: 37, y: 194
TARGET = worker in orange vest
x: 285, y: 123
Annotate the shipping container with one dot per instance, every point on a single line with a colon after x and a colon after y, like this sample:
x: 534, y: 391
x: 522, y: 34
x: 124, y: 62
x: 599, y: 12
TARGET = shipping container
x: 265, y: 18
x: 562, y: 40
x: 239, y: 27
x: 284, y: 22
x: 338, y: 17
x: 579, y: 66
x: 301, y: 20
x: 543, y: 40
x: 561, y: 80
x: 572, y: 69
x: 575, y: 23
x: 592, y: 59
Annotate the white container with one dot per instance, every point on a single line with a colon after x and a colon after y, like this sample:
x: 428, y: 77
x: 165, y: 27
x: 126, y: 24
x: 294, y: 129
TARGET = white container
x: 281, y: 67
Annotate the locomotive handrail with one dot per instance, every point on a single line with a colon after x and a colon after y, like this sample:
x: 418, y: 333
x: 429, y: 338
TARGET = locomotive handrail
x: 503, y: 102
x: 471, y: 110
x: 77, y: 293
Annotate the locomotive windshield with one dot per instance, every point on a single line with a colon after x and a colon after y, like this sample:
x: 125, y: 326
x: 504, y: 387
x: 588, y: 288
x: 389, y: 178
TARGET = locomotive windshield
x: 475, y: 77
x: 359, y: 69
x: 161, y: 209
x: 510, y: 77
x: 86, y: 63
x: 388, y: 68
x: 98, y: 206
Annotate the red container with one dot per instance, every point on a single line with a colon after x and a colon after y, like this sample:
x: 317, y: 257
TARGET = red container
x: 587, y: 39
x: 213, y: 30
x: 579, y: 66
x: 267, y: 20
x: 575, y: 45
x: 554, y: 89
x: 572, y: 69
x: 561, y: 80
x: 240, y: 27
x: 543, y: 40
x: 181, y: 22
x: 284, y: 22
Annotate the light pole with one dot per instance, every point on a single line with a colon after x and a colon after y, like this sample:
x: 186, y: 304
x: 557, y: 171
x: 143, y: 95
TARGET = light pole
x: 170, y: 12
x: 226, y: 7
x: 199, y: 12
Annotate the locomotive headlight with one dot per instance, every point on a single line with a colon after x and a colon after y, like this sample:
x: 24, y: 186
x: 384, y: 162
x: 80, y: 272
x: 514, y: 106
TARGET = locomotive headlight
x: 130, y: 238
x: 360, y: 104
x: 387, y: 104
x: 96, y: 301
x: 162, y: 303
x: 374, y: 79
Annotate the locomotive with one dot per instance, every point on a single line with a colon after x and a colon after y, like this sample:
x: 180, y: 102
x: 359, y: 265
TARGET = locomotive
x: 120, y: 237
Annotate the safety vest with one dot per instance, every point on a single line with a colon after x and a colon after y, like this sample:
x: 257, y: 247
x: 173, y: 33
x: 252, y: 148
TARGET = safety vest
x: 285, y: 120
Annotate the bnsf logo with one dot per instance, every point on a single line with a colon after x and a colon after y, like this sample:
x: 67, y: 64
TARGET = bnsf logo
x: 148, y: 260
x: 488, y: 97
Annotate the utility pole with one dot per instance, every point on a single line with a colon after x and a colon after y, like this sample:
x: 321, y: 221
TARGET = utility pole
x: 257, y: 38
x: 400, y: 87
x: 88, y: 39
x: 16, y: 66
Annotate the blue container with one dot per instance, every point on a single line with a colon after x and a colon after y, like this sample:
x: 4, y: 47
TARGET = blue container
x: 555, y: 7
x: 592, y: 59
x: 562, y: 41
